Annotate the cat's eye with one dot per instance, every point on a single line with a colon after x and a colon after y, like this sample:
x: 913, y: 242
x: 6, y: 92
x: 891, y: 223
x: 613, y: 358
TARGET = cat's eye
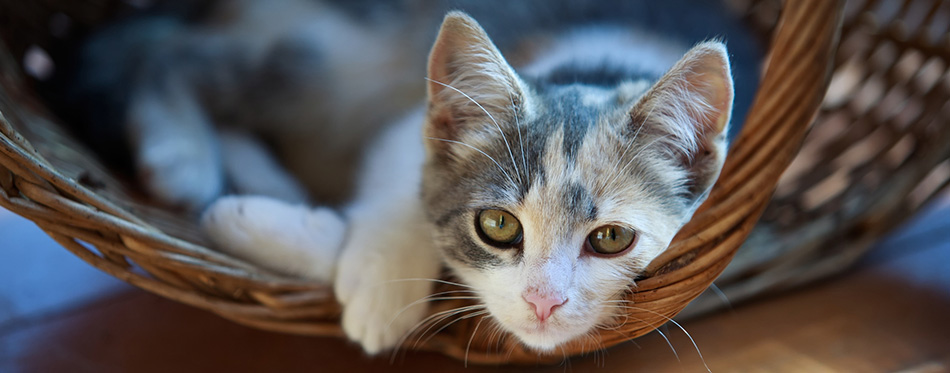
x: 499, y: 227
x: 611, y: 239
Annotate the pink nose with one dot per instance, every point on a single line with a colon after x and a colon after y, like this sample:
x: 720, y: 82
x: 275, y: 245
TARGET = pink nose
x: 544, y: 305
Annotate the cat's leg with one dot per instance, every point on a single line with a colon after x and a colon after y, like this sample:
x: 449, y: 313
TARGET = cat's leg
x: 251, y: 169
x: 286, y: 238
x: 174, y: 144
x: 389, y: 262
x: 182, y: 87
x: 386, y: 270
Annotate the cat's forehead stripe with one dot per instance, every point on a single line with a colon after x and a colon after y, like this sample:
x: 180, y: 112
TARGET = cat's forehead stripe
x: 569, y: 113
x: 569, y: 107
x: 579, y: 202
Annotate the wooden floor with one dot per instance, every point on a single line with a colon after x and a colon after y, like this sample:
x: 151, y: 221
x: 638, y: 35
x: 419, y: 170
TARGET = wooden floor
x: 891, y: 314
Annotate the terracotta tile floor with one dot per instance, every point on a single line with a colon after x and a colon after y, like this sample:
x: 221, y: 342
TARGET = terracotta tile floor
x: 892, y: 313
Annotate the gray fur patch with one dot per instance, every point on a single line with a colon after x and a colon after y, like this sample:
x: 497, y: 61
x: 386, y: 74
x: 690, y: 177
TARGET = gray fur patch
x: 469, y: 252
x: 579, y: 202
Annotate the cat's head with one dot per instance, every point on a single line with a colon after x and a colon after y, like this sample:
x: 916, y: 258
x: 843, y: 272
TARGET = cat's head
x: 550, y: 200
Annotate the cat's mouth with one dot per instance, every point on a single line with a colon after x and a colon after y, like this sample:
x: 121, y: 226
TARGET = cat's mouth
x: 562, y: 327
x: 539, y: 327
x: 546, y: 335
x: 542, y: 336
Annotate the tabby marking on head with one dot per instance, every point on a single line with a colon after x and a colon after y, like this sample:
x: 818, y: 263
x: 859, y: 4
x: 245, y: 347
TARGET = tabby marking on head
x: 636, y: 155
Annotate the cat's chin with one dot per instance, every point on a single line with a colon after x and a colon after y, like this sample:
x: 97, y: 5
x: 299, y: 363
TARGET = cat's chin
x: 545, y: 338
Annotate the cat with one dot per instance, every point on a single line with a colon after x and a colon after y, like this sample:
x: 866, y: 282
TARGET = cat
x: 546, y: 190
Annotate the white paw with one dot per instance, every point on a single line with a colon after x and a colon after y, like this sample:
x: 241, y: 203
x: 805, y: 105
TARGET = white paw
x: 178, y: 177
x: 381, y: 282
x: 285, y: 238
x: 381, y: 311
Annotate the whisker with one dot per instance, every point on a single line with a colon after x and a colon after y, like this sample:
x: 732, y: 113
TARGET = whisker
x: 564, y: 360
x: 492, y: 332
x: 587, y: 338
x: 409, y: 333
x: 625, y: 150
x: 510, y: 154
x: 469, y: 345
x: 517, y: 110
x: 468, y: 316
x: 635, y: 156
x: 502, y: 335
x: 669, y: 344
x: 691, y: 340
x: 603, y: 348
x: 654, y: 326
x: 442, y: 316
x: 626, y: 318
x: 495, y: 331
x: 437, y: 314
x: 429, y: 321
x: 430, y: 280
x: 721, y: 295
x: 601, y: 351
x: 512, y: 181
x: 431, y: 298
x: 511, y: 350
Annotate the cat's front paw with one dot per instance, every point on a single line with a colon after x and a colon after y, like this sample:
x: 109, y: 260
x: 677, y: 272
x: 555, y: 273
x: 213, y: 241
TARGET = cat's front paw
x: 380, y: 312
x: 180, y: 178
x: 283, y: 237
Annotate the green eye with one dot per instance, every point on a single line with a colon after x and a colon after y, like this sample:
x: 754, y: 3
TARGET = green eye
x: 499, y: 227
x: 611, y: 239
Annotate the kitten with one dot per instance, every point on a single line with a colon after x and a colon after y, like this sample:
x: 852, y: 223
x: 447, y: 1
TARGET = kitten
x: 545, y: 192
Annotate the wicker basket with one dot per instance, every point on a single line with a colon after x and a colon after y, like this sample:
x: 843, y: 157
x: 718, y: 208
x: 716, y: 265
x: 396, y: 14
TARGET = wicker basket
x: 879, y: 150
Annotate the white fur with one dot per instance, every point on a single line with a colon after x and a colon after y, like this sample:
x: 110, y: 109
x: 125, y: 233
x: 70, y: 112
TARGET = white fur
x: 390, y: 260
x: 284, y: 238
x: 387, y: 261
x: 553, y: 261
x: 176, y: 152
x: 252, y: 169
x: 319, y: 113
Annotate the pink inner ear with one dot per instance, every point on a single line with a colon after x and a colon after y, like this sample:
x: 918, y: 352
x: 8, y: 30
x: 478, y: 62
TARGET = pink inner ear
x: 711, y: 76
x: 458, y: 32
x: 693, y: 101
x: 437, y: 71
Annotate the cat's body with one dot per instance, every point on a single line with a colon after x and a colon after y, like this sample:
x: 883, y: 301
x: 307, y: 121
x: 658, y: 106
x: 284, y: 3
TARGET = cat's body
x: 597, y: 157
x: 192, y: 94
x: 595, y: 152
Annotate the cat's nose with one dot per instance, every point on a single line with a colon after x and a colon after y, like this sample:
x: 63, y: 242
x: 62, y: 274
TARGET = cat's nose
x: 544, y: 305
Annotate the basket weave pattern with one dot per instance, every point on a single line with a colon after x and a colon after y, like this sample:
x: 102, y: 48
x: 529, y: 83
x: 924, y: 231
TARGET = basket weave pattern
x: 48, y: 177
x: 878, y: 151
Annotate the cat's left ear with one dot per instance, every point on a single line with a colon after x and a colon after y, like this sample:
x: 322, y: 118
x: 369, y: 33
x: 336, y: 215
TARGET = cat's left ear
x: 688, y: 109
x: 469, y: 80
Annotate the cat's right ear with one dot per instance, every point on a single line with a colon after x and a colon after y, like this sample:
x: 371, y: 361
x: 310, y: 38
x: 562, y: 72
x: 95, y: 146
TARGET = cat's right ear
x: 469, y: 82
x: 688, y: 110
